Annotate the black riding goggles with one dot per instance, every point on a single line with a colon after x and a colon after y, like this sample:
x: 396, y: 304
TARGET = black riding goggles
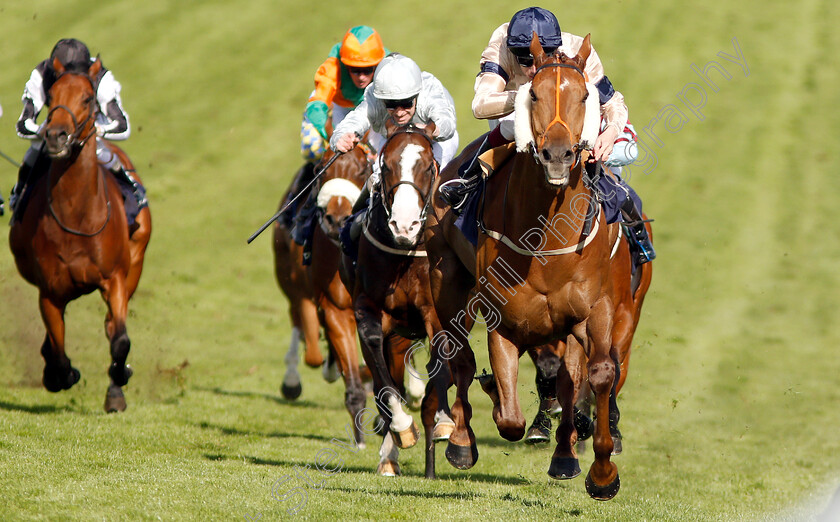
x: 361, y: 70
x: 400, y: 104
x: 523, y: 55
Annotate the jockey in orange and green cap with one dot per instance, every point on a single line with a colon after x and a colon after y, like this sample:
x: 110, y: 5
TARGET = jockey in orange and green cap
x: 340, y: 85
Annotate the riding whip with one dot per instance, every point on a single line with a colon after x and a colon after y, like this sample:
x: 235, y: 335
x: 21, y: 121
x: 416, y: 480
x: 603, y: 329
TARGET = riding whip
x: 279, y: 212
x: 10, y: 160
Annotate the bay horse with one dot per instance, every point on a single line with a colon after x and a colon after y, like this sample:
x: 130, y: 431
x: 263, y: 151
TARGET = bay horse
x: 73, y: 237
x: 392, y: 295
x: 317, y: 296
x: 557, y: 290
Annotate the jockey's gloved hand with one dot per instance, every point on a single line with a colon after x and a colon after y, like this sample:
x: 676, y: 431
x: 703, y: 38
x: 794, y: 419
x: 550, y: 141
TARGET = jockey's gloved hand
x: 317, y: 113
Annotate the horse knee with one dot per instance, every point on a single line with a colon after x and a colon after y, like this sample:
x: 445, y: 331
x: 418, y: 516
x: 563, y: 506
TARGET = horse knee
x: 602, y: 376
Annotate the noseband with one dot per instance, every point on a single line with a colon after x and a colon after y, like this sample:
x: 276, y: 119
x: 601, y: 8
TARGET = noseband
x: 387, y: 192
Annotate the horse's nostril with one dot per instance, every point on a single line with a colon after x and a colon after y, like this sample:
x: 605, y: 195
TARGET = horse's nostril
x: 546, y: 155
x: 568, y: 154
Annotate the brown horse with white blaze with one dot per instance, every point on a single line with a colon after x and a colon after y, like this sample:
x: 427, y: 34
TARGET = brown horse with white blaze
x: 73, y: 238
x: 392, y: 295
x: 531, y: 296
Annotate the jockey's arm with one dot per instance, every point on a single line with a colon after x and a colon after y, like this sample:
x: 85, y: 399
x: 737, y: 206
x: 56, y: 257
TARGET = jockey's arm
x: 33, y: 100
x: 112, y: 122
x: 355, y: 124
x: 441, y: 107
x: 326, y: 85
x: 491, y: 99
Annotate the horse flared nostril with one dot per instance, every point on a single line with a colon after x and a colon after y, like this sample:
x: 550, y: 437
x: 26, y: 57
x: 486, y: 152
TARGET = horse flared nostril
x: 546, y: 155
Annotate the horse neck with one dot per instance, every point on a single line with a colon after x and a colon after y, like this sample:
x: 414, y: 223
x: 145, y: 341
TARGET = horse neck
x: 531, y: 202
x: 76, y: 184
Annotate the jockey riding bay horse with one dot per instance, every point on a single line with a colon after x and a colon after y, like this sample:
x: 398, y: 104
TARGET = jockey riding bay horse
x: 392, y: 296
x: 317, y: 296
x: 558, y: 292
x: 73, y: 236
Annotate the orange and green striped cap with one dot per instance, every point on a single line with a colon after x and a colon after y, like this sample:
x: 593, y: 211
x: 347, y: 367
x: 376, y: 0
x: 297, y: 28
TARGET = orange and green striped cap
x: 362, y: 47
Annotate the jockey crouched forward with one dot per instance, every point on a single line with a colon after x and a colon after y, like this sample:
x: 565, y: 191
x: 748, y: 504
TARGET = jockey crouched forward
x: 506, y: 64
x: 406, y: 95
x: 340, y: 84
x: 111, y: 120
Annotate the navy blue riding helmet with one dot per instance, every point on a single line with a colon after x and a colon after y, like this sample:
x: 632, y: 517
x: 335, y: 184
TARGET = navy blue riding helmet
x: 534, y: 19
x: 73, y: 55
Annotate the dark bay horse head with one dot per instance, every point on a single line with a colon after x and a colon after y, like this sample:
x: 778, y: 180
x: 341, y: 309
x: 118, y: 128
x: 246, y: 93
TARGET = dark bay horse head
x: 407, y: 174
x: 340, y: 186
x: 70, y: 122
x: 558, y: 107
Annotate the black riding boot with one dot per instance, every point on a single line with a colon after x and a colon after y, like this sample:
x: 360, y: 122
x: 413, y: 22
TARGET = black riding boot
x: 304, y: 227
x: 455, y: 191
x: 641, y: 246
x: 124, y: 176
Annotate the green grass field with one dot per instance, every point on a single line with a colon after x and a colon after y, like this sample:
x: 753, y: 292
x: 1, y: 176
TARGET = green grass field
x: 730, y: 409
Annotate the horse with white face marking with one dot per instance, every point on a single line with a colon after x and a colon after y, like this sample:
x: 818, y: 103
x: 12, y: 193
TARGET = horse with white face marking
x: 392, y: 296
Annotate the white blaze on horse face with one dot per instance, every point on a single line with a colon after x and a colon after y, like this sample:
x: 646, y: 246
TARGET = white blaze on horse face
x: 406, y: 210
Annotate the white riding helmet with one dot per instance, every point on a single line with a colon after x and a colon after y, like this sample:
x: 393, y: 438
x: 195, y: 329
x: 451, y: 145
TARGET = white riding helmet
x: 397, y: 77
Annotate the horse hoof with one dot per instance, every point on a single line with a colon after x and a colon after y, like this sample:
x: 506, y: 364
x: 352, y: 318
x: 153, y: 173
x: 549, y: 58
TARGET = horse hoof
x: 442, y: 430
x: 330, y: 373
x: 602, y: 492
x: 407, y: 437
x: 616, y: 445
x: 114, y: 400
x: 554, y: 409
x: 291, y: 392
x: 537, y: 434
x: 583, y: 425
x: 388, y: 468
x: 54, y: 382
x: 564, y: 468
x: 461, y: 457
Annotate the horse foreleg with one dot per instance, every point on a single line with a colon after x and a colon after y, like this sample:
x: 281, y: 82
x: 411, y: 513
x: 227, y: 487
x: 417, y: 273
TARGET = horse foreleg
x: 114, y: 295
x: 564, y: 461
x: 58, y: 373
x: 504, y: 361
x: 340, y: 326
x: 291, y: 387
x: 395, y: 347
x: 389, y: 453
x: 311, y: 330
x: 547, y: 364
x: 602, y: 482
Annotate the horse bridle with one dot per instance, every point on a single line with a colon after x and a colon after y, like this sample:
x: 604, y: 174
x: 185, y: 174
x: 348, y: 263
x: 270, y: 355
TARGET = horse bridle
x: 425, y: 195
x: 73, y: 139
x: 557, y: 119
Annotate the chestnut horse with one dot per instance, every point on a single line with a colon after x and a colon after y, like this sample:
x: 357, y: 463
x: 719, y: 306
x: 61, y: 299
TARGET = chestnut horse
x: 628, y: 295
x: 560, y: 290
x: 317, y: 296
x: 73, y: 237
x: 392, y: 295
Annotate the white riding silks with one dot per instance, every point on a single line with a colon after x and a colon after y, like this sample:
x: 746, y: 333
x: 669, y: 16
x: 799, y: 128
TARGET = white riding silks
x: 592, y: 120
x: 338, y: 187
x: 523, y: 133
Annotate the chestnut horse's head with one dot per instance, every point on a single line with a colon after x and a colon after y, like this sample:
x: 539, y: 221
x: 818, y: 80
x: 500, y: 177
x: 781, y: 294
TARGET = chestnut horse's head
x: 72, y: 115
x: 407, y: 173
x: 340, y: 186
x: 558, y: 107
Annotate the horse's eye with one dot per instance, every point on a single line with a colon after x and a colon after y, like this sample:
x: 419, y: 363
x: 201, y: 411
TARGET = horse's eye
x: 585, y: 97
x: 533, y: 96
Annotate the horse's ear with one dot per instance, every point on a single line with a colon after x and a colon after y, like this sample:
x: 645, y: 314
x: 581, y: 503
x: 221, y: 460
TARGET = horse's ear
x: 584, y: 52
x: 536, y: 49
x: 57, y: 66
x: 429, y: 129
x: 95, y: 67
